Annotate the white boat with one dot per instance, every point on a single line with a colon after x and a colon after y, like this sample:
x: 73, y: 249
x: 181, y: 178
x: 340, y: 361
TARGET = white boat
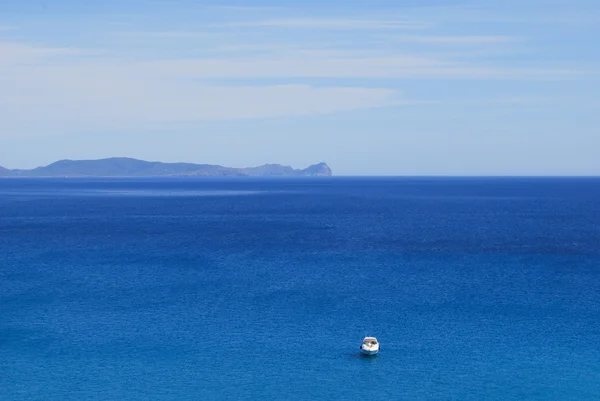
x: 369, y: 346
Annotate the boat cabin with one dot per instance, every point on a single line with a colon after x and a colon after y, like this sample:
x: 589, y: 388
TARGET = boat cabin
x: 370, y: 341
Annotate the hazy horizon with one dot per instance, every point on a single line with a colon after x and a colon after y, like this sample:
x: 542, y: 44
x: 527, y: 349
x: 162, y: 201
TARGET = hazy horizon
x: 378, y: 88
x: 334, y: 173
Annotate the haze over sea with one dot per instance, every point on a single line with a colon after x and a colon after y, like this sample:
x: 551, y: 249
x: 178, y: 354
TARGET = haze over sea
x: 201, y: 289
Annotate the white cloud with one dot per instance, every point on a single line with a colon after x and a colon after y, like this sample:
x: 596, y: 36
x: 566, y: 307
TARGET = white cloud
x: 454, y: 40
x: 118, y: 96
x: 16, y: 53
x: 48, y: 89
x: 130, y: 87
x: 322, y: 65
x: 520, y: 100
x: 139, y: 100
x: 330, y: 23
x: 167, y: 34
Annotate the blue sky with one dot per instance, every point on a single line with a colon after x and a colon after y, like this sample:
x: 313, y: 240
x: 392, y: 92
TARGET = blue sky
x: 374, y: 87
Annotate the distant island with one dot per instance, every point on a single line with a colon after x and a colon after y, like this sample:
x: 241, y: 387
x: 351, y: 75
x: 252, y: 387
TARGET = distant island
x: 128, y: 167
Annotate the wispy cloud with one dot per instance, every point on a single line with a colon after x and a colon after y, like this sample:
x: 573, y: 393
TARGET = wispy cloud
x: 332, y: 23
x: 521, y: 100
x: 108, y: 92
x: 113, y: 95
x: 332, y: 66
x: 530, y: 13
x: 204, y: 72
x: 532, y: 18
x: 19, y: 53
x: 130, y: 104
x: 454, y: 40
x: 165, y: 34
x: 514, y: 100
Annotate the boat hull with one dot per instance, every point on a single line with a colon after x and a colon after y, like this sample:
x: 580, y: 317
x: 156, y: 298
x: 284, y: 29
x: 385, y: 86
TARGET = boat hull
x: 369, y: 351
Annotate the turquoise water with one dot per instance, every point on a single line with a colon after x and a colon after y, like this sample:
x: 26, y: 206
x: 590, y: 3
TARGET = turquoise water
x: 477, y: 289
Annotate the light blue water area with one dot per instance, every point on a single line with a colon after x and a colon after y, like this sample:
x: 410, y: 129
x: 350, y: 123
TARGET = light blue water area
x: 198, y: 289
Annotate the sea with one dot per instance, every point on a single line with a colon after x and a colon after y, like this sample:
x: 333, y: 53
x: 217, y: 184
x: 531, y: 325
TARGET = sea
x: 263, y: 288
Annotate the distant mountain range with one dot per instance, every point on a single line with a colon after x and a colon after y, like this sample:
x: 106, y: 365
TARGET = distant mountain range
x: 128, y: 167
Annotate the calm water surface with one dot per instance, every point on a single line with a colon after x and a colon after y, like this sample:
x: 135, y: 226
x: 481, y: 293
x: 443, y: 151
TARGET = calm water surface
x: 478, y: 289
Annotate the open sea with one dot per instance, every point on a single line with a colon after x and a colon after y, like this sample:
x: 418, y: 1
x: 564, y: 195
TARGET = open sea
x: 263, y: 289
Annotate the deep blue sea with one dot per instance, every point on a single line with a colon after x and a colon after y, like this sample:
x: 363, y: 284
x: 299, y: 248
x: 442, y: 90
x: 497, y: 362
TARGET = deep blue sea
x: 263, y: 289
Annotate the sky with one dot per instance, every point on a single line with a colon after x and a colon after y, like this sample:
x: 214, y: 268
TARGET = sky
x: 378, y: 87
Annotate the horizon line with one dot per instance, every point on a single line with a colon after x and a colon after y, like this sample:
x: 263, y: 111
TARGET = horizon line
x: 274, y: 177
